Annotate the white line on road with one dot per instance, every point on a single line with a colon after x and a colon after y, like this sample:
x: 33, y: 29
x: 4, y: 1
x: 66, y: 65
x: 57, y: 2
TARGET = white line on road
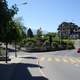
x: 42, y: 59
x: 49, y: 59
x: 72, y: 61
x: 65, y: 60
x: 56, y: 59
x: 78, y: 60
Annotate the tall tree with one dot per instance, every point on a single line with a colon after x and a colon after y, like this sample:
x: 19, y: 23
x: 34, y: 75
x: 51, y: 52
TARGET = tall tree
x: 67, y: 28
x: 18, y: 32
x: 6, y: 16
x: 21, y: 27
x: 29, y: 33
x: 39, y: 33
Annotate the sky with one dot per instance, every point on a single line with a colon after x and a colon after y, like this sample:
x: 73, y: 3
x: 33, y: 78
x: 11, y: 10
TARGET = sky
x: 47, y: 14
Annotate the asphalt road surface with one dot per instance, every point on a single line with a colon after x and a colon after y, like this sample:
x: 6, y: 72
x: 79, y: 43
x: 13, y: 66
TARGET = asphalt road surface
x: 59, y: 65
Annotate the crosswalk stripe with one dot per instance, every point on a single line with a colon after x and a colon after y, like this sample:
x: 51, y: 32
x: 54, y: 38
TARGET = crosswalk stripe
x: 72, y: 60
x: 78, y: 60
x: 57, y: 59
x: 42, y: 59
x: 65, y: 60
x: 49, y: 59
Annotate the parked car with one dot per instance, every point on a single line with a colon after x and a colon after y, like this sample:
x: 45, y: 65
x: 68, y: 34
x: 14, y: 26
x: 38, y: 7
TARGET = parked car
x: 78, y: 51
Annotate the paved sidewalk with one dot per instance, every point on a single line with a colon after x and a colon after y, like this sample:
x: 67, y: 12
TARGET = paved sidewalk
x: 15, y: 60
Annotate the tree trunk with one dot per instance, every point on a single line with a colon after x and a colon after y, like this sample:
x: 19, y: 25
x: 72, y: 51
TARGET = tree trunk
x: 15, y: 50
x: 6, y: 51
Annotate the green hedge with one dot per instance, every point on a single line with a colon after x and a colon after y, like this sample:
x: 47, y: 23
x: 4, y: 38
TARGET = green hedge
x: 56, y: 44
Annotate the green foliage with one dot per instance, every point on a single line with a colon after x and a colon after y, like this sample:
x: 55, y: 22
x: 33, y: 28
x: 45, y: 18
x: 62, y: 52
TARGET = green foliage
x: 6, y: 16
x: 35, y: 44
x: 53, y: 34
x: 29, y: 33
x: 65, y: 29
x: 39, y: 33
x: 30, y: 40
x: 69, y: 44
x: 55, y: 44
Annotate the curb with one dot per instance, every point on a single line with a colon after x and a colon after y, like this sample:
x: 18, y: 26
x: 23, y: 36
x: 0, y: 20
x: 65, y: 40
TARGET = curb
x: 41, y: 71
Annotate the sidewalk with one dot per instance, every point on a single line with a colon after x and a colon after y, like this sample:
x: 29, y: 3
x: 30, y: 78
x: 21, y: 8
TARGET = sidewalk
x: 6, y: 70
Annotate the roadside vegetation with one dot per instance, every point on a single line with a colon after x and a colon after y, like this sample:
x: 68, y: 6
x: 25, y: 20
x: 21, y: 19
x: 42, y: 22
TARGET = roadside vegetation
x: 46, y: 42
x: 11, y: 30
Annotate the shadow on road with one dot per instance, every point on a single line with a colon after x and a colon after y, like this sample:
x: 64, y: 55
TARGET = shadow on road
x: 11, y: 50
x: 29, y: 57
x: 20, y: 72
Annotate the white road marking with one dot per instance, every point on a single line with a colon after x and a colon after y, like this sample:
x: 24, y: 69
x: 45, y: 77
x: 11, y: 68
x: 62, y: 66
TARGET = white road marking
x: 56, y: 59
x: 65, y: 60
x: 49, y: 59
x: 78, y: 60
x: 42, y: 59
x: 72, y: 60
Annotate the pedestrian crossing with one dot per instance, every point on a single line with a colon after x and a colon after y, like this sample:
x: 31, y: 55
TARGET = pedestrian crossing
x: 65, y: 59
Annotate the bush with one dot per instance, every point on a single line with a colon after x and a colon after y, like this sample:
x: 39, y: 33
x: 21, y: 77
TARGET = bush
x: 63, y: 45
x: 70, y: 46
x: 46, y: 45
x: 41, y: 44
x: 57, y: 41
x: 54, y: 44
x: 29, y: 44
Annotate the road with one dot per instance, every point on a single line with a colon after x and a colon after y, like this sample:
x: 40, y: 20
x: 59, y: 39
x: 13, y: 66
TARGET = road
x: 59, y: 65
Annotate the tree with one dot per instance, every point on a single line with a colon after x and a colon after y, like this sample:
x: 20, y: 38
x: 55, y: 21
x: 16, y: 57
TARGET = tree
x: 39, y: 33
x: 21, y: 27
x: 29, y: 33
x: 65, y: 29
x: 53, y: 34
x: 6, y: 16
x: 18, y: 32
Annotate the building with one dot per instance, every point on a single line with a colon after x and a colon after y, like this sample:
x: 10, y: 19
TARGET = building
x: 68, y: 30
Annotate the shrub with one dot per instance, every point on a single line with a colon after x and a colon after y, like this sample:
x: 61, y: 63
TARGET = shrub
x: 54, y: 44
x: 70, y: 45
x: 29, y: 44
